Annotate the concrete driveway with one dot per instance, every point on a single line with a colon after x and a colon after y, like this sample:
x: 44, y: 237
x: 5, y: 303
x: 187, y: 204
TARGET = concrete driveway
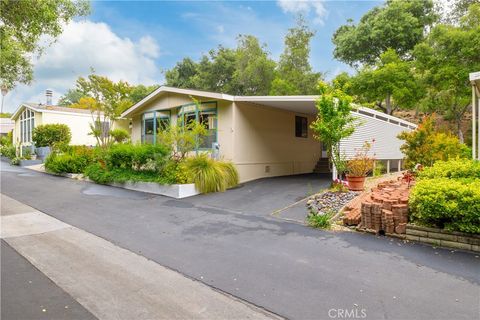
x: 230, y: 242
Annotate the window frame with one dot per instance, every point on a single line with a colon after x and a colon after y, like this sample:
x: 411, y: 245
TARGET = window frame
x: 181, y: 113
x: 27, y: 124
x: 303, y: 134
x: 162, y: 117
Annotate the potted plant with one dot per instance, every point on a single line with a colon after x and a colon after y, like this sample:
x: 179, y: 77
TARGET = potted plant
x: 359, y: 167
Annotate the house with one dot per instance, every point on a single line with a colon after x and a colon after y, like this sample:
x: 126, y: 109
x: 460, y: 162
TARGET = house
x: 6, y: 126
x: 264, y: 136
x: 30, y: 115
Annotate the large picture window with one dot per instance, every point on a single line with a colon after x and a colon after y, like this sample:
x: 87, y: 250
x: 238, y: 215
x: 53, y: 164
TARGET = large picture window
x: 206, y: 114
x: 301, y: 127
x: 27, y: 123
x: 153, y: 123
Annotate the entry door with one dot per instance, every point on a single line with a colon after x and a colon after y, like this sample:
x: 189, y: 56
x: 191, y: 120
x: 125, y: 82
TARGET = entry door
x: 324, y: 151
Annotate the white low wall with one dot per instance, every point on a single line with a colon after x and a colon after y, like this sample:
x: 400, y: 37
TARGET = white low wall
x: 177, y: 191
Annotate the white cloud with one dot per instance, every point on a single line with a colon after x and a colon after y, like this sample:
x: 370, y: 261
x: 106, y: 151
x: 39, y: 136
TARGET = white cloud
x: 305, y: 7
x: 84, y: 45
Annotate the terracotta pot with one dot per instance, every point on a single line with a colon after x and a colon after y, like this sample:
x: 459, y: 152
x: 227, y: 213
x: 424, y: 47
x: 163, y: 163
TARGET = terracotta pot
x: 356, y: 183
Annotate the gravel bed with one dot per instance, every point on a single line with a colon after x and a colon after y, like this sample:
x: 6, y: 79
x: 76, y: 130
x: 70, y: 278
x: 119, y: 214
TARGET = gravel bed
x: 329, y: 201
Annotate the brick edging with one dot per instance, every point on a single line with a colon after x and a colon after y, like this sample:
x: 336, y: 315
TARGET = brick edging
x: 444, y: 238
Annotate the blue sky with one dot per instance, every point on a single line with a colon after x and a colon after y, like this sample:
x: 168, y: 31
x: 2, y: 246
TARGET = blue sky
x: 137, y: 40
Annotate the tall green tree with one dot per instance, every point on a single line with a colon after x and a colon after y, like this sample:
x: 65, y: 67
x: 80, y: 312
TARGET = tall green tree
x: 389, y: 85
x: 216, y: 71
x: 294, y: 74
x: 183, y: 74
x: 397, y: 24
x: 72, y: 96
x: 254, y: 69
x: 22, y: 24
x: 245, y: 70
x: 444, y: 61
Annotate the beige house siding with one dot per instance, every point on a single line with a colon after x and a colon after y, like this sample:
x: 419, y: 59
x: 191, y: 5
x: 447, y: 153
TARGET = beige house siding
x: 79, y: 125
x: 266, y: 146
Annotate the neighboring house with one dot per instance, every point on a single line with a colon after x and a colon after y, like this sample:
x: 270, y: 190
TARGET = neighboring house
x: 29, y: 115
x: 263, y: 136
x: 6, y: 125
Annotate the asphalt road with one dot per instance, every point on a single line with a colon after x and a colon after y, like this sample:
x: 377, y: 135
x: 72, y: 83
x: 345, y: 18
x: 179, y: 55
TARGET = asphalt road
x: 231, y: 242
x: 29, y: 294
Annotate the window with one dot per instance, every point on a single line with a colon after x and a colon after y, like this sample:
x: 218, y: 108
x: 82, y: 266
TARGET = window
x: 27, y: 123
x: 301, y: 130
x: 153, y: 123
x: 206, y: 114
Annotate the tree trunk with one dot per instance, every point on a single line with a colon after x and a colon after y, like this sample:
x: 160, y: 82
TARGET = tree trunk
x: 459, y: 130
x: 388, y: 104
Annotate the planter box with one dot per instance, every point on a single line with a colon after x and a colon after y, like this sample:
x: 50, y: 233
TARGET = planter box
x: 42, y: 152
x: 177, y: 191
x: 443, y: 238
x: 26, y: 163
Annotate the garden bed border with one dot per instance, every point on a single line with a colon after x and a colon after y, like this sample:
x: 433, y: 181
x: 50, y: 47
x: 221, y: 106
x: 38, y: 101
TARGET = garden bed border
x: 443, y: 238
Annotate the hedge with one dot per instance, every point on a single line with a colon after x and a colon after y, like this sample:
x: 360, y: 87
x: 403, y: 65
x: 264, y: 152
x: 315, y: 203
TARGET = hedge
x: 73, y: 160
x: 51, y: 135
x: 453, y: 204
x: 454, y: 169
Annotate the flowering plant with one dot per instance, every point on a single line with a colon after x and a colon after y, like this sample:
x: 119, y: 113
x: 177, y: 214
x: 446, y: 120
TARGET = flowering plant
x: 362, y: 163
x: 339, y: 186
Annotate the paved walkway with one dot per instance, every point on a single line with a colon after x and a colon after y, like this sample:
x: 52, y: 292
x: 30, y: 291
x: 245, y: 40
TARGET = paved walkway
x: 111, y: 282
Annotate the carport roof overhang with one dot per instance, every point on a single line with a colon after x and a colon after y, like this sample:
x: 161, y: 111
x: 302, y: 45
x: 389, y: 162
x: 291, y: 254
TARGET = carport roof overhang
x: 300, y: 104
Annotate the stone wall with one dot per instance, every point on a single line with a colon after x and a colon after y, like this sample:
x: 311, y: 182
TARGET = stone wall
x: 443, y: 238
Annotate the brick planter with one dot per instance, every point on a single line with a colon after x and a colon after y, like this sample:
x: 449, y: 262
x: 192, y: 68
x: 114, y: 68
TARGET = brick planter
x: 443, y: 238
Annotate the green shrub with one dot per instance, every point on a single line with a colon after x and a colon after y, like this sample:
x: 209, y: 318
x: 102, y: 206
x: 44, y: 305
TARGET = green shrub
x: 98, y: 173
x: 8, y: 151
x: 51, y: 135
x: 210, y: 175
x: 321, y: 221
x: 453, y: 204
x: 138, y: 157
x: 425, y: 145
x: 102, y: 174
x: 74, y: 160
x: 15, y: 161
x: 120, y: 135
x: 175, y: 172
x: 453, y: 169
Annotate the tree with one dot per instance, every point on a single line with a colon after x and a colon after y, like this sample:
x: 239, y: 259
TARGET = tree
x: 425, y: 145
x: 216, y: 71
x: 334, y: 122
x: 294, y: 74
x: 398, y: 24
x: 389, y: 85
x: 444, y: 61
x: 140, y: 91
x: 71, y: 97
x: 106, y: 100
x: 183, y: 74
x: 22, y: 24
x: 254, y: 69
x: 246, y: 70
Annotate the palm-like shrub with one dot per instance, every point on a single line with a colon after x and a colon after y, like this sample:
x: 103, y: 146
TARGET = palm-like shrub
x: 210, y: 175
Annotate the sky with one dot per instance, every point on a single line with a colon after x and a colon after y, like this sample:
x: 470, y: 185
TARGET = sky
x: 137, y: 41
